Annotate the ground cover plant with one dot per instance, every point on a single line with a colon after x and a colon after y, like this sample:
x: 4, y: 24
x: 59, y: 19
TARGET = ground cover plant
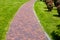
x: 49, y: 20
x: 8, y: 9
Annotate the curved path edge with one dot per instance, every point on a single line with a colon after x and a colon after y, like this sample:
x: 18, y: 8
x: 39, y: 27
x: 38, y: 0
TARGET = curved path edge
x: 40, y: 24
x: 25, y: 25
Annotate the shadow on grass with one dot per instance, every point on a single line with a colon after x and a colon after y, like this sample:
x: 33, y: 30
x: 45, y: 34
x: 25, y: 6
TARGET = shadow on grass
x: 56, y: 15
x: 56, y: 33
x: 47, y: 10
x: 54, y: 36
x: 58, y: 26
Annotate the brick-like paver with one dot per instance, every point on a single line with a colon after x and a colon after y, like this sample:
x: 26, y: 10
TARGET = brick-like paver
x: 25, y: 25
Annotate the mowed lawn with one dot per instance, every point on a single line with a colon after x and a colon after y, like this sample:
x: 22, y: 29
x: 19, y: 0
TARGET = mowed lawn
x: 49, y: 20
x: 8, y: 9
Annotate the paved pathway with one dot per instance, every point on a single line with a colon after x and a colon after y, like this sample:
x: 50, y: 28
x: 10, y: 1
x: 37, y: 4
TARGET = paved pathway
x: 25, y: 25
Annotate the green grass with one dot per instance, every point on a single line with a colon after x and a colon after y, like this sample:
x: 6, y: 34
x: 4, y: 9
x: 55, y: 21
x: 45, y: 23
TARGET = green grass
x: 48, y: 21
x: 8, y: 9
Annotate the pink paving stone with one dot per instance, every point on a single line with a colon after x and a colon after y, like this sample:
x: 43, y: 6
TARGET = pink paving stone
x: 25, y: 25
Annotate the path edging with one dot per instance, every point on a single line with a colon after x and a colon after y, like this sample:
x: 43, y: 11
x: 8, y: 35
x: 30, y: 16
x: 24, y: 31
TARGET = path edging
x: 40, y: 23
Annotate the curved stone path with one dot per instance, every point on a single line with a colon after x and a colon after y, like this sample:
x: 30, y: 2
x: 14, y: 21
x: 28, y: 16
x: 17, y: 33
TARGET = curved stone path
x: 25, y: 25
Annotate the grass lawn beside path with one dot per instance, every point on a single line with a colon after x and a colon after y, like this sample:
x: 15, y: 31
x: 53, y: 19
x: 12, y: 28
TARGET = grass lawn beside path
x: 49, y: 20
x: 8, y: 9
